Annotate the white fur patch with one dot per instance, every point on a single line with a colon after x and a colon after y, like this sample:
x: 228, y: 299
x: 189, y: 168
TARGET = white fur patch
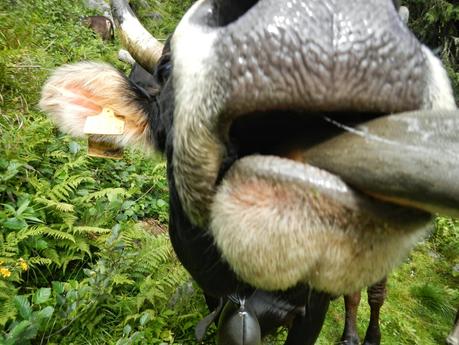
x: 438, y: 93
x: 76, y: 91
x: 197, y: 150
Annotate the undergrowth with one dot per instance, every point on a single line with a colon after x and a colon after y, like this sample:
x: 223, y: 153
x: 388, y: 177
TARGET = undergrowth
x: 84, y: 257
x: 75, y: 265
x: 436, y: 23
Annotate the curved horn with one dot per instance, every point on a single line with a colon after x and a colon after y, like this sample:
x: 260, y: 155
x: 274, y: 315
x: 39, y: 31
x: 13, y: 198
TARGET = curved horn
x: 144, y: 48
x: 123, y: 55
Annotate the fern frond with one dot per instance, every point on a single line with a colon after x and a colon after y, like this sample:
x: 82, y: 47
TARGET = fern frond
x: 57, y: 234
x: 8, y: 309
x: 40, y: 185
x: 58, y: 154
x: 69, y: 219
x: 9, y: 245
x: 83, y: 246
x: 59, y: 206
x: 38, y: 260
x: 69, y: 257
x: 30, y: 232
x: 80, y: 162
x: 103, y: 193
x: 52, y: 255
x: 63, y: 190
x: 7, y: 290
x: 122, y: 279
x: 89, y: 230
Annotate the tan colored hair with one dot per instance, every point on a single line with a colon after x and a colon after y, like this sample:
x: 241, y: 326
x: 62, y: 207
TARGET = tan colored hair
x: 76, y: 91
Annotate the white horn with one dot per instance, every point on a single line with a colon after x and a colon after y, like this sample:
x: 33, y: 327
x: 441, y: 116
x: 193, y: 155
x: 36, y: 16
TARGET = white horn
x: 123, y: 55
x: 144, y: 48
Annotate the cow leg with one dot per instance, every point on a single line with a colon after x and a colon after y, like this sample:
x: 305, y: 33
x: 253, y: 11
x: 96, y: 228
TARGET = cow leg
x: 306, y: 327
x: 350, y: 335
x: 453, y: 338
x: 376, y: 297
x: 215, y: 306
x: 212, y: 302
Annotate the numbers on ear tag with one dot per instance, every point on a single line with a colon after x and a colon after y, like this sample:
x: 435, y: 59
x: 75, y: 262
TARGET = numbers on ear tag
x: 104, y: 123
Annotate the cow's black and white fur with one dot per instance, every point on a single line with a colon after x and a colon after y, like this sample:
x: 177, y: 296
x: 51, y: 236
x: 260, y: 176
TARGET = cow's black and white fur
x: 205, y: 77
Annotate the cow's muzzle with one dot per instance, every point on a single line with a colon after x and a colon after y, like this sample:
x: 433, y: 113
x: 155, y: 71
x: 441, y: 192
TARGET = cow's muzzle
x: 283, y: 145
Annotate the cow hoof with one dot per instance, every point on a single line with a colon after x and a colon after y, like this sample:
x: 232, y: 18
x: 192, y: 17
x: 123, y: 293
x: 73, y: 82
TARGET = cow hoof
x: 367, y: 342
x: 452, y: 341
x: 352, y: 340
x: 373, y: 337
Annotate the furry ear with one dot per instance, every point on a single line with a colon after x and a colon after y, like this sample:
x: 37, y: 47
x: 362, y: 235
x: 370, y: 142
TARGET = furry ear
x: 75, y: 92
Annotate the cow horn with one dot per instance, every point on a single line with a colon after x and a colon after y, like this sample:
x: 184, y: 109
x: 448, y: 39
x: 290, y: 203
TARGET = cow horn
x: 144, y: 48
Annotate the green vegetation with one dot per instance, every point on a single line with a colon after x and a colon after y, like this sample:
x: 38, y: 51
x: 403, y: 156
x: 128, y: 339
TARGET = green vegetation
x: 436, y: 23
x: 84, y: 257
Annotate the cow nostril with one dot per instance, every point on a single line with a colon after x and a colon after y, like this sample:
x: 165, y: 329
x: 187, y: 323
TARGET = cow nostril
x: 227, y: 11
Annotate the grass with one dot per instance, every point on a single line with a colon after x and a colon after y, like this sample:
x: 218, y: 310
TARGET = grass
x: 98, y: 269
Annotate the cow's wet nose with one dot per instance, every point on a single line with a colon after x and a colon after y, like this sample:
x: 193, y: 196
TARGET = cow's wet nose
x: 312, y: 55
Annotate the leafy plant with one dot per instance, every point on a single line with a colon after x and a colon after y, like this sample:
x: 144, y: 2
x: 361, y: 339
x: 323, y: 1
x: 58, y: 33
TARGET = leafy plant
x: 436, y: 22
x: 32, y: 317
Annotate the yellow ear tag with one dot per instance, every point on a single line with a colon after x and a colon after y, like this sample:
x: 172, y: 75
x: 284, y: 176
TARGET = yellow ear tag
x: 102, y: 149
x: 105, y: 123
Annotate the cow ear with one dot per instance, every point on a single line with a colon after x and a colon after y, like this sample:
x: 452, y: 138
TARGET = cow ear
x: 77, y: 91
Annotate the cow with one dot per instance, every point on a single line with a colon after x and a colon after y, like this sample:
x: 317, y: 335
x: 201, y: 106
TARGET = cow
x: 101, y: 25
x: 308, y: 144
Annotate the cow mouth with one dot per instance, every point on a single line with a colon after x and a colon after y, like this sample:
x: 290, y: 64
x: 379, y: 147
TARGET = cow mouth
x: 274, y: 144
x: 306, y: 138
x: 284, y: 133
x: 273, y: 149
x: 284, y: 197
